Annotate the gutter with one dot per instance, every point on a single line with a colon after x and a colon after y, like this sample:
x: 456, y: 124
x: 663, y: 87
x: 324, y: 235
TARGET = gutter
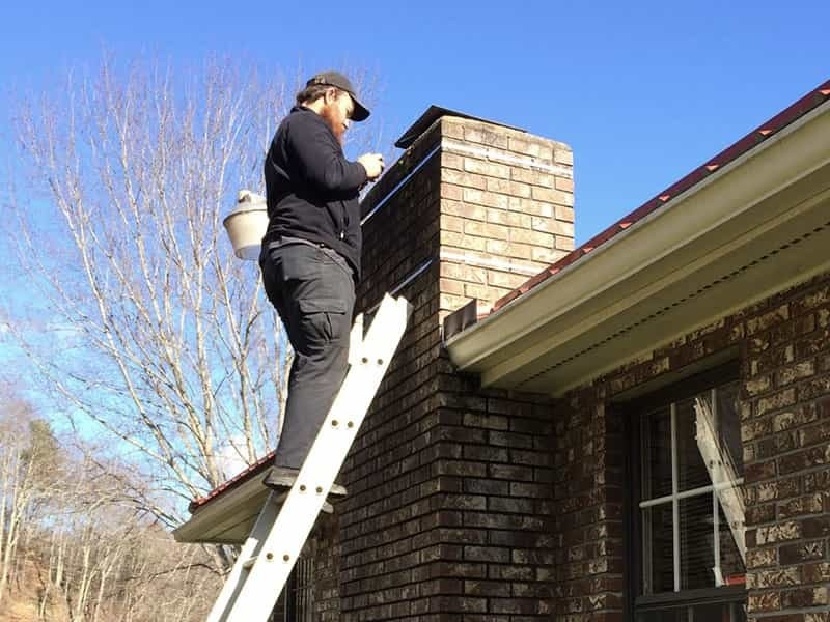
x: 638, y: 243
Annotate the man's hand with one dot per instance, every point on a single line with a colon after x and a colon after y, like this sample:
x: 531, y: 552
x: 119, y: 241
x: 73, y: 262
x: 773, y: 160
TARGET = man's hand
x: 373, y: 163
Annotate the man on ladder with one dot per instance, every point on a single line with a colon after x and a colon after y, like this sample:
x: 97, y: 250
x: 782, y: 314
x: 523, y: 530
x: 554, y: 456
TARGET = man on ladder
x: 310, y: 262
x: 310, y: 255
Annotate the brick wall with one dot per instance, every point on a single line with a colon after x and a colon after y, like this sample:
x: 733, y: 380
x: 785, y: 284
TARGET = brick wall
x: 783, y: 346
x: 786, y: 433
x: 323, y: 547
x: 587, y: 510
x: 448, y: 516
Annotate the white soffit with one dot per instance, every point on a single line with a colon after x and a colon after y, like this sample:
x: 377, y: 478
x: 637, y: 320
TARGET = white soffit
x: 757, y: 226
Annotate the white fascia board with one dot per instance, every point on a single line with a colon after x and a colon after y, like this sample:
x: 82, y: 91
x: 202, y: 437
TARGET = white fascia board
x: 228, y: 518
x: 682, y: 224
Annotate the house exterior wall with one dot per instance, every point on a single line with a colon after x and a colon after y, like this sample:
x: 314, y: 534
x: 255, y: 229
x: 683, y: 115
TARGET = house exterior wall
x: 782, y: 346
x: 470, y: 504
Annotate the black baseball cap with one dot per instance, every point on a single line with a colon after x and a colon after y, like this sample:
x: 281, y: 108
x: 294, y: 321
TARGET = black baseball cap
x: 338, y: 80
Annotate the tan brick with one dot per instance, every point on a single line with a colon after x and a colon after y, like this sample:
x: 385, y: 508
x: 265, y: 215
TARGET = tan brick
x: 487, y: 230
x: 510, y: 219
x: 764, y: 601
x: 508, y: 280
x: 552, y: 196
x: 776, y: 577
x: 483, y: 167
x: 564, y: 213
x: 464, y: 210
x: 759, y: 557
x: 484, y: 292
x: 452, y: 161
x: 485, y: 198
x: 784, y: 530
x: 509, y: 249
x: 452, y: 302
x: 482, y: 133
x: 759, y: 384
x: 536, y: 238
x: 453, y: 223
x: 534, y: 148
x: 509, y: 187
x: 553, y: 226
x: 542, y: 224
x: 564, y: 243
x: 565, y: 184
x: 452, y: 128
x: 449, y: 191
x: 788, y: 375
x: 792, y: 419
x: 776, y: 401
x: 463, y: 241
x: 532, y: 177
x: 767, y: 320
x: 464, y: 272
x: 563, y: 156
x: 466, y: 180
x: 534, y: 208
x: 451, y: 286
x: 546, y: 255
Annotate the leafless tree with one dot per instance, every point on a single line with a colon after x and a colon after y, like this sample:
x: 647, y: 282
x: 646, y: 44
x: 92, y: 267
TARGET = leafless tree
x: 27, y: 455
x: 101, y: 561
x: 146, y: 324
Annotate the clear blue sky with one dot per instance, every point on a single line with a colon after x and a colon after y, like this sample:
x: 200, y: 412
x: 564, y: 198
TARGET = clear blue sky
x: 644, y: 91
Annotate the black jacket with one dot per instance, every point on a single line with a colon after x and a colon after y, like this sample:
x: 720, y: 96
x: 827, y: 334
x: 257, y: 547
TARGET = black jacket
x: 312, y: 189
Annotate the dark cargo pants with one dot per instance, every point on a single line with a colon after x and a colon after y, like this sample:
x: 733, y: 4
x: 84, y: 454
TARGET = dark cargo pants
x: 312, y: 289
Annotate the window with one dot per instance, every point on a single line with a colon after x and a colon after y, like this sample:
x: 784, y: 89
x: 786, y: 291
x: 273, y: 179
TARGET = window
x: 686, y: 510
x: 295, y: 602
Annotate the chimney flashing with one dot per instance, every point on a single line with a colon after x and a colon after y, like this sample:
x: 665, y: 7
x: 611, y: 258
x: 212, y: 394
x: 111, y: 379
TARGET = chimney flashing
x: 431, y: 115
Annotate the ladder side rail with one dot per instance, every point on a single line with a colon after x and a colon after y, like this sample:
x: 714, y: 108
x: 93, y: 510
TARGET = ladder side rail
x: 723, y: 474
x: 278, y: 554
x: 236, y: 577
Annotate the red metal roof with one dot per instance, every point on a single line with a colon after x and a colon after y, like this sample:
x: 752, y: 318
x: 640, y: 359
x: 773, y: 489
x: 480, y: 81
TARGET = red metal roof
x: 811, y: 100
x: 260, y: 467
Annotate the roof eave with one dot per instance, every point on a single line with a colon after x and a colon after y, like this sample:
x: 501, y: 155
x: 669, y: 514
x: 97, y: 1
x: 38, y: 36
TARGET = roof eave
x: 228, y: 518
x: 562, y: 313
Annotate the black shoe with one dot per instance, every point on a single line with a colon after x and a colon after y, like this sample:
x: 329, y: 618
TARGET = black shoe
x: 280, y: 478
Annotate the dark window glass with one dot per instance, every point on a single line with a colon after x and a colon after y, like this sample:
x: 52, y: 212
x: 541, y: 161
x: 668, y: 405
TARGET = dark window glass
x: 689, y: 508
x: 656, y: 468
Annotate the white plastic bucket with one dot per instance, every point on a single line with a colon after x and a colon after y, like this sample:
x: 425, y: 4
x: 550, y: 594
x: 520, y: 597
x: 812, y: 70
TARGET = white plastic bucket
x: 246, y: 225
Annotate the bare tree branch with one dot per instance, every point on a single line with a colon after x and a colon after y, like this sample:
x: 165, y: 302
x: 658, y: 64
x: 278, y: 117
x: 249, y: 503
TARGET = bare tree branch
x: 169, y: 345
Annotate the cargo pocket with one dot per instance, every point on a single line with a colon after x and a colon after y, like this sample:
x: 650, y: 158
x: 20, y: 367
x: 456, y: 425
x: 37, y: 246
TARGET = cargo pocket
x: 324, y: 318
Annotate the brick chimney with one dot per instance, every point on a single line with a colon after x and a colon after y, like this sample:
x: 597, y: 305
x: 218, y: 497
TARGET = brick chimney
x: 451, y: 486
x: 506, y: 209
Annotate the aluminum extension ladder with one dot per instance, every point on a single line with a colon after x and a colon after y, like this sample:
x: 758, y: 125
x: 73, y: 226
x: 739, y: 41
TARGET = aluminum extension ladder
x: 261, y: 571
x: 723, y: 473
